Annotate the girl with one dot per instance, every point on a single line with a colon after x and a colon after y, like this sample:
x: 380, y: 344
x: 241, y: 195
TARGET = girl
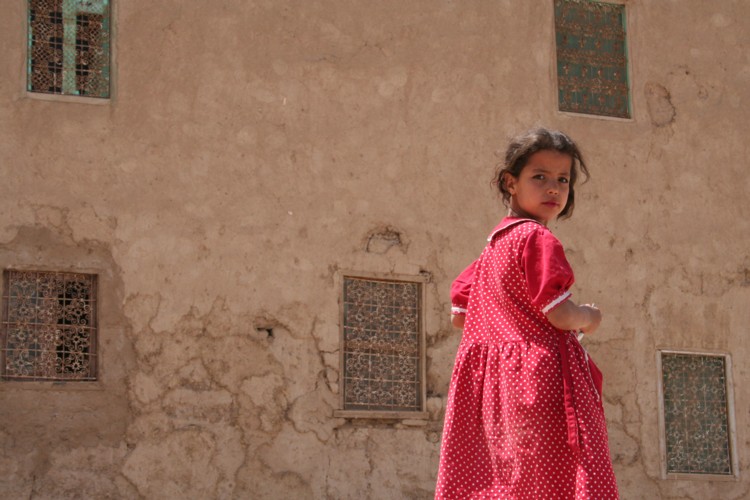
x: 524, y: 419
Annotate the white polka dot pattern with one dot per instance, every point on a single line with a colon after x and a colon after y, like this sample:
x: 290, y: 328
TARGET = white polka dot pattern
x: 505, y: 434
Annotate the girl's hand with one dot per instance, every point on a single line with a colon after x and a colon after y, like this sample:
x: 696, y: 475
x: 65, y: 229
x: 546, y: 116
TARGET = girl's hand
x: 594, y: 317
x: 458, y: 320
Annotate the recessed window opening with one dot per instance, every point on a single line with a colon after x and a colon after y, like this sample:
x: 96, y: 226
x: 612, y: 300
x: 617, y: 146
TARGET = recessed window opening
x: 382, y: 346
x: 49, y: 326
x: 69, y: 47
x: 697, y: 414
x: 592, y: 66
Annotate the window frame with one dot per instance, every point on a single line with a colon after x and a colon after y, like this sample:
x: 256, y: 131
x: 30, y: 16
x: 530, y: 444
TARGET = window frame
x: 421, y: 280
x: 69, y: 98
x: 731, y: 420
x: 629, y: 14
x: 94, y: 350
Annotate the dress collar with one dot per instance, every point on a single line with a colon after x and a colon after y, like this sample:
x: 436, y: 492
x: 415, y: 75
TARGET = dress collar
x: 508, y: 222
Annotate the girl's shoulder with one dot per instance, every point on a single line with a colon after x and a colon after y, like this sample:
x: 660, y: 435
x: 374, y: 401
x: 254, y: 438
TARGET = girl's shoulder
x: 518, y: 227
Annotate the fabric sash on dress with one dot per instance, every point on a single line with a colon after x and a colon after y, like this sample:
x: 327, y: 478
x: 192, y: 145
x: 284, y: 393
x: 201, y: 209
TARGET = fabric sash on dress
x: 569, y: 399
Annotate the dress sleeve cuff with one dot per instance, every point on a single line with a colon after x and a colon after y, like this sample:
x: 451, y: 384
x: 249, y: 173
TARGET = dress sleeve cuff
x: 556, y: 302
x: 458, y: 310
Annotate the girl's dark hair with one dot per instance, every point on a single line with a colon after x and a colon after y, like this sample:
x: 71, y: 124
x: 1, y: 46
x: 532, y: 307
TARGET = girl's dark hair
x: 523, y: 146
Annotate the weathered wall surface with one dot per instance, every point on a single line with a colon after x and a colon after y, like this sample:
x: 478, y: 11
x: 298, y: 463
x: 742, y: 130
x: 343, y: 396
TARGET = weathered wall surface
x: 254, y: 149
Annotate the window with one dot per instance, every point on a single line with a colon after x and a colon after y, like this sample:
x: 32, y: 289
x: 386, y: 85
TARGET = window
x: 68, y: 47
x: 592, y: 75
x: 382, y: 348
x: 49, y: 326
x: 696, y: 416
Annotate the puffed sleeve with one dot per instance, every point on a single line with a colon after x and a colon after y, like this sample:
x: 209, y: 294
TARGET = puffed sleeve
x: 461, y: 288
x: 548, y: 273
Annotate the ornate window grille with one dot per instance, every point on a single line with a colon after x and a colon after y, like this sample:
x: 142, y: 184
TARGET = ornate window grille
x: 49, y: 326
x: 69, y: 47
x: 696, y: 417
x: 592, y: 72
x: 382, y: 348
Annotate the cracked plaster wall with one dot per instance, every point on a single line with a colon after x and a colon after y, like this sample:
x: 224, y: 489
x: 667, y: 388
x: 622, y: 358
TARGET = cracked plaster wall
x: 252, y: 150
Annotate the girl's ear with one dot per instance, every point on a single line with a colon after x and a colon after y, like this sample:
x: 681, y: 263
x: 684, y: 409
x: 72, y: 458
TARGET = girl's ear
x: 510, y: 182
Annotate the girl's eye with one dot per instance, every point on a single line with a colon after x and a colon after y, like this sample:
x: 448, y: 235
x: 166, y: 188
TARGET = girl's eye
x: 564, y: 180
x: 539, y: 177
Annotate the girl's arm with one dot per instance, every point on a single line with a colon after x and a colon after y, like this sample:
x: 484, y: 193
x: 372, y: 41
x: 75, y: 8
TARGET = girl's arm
x: 460, y: 290
x: 569, y: 316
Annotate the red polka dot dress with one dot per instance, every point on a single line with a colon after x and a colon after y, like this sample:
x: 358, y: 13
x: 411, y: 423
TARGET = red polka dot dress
x: 524, y: 419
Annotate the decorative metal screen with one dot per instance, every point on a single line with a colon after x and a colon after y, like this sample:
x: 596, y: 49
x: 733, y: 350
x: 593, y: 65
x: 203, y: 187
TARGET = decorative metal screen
x: 69, y: 47
x: 696, y: 416
x: 592, y: 74
x: 382, y: 365
x: 49, y: 326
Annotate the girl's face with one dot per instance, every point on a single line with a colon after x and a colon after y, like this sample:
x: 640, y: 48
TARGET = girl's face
x: 540, y: 192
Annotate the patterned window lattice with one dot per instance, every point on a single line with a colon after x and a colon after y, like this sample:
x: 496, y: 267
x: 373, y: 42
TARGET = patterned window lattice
x: 68, y: 50
x: 382, y: 365
x: 696, y: 416
x: 49, y: 326
x: 592, y: 71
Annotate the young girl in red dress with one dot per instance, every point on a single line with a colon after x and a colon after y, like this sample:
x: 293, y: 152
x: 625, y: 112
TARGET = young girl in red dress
x: 524, y: 418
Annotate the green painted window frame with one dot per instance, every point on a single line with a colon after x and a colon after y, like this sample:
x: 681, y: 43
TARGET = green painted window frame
x: 592, y: 58
x: 69, y: 47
